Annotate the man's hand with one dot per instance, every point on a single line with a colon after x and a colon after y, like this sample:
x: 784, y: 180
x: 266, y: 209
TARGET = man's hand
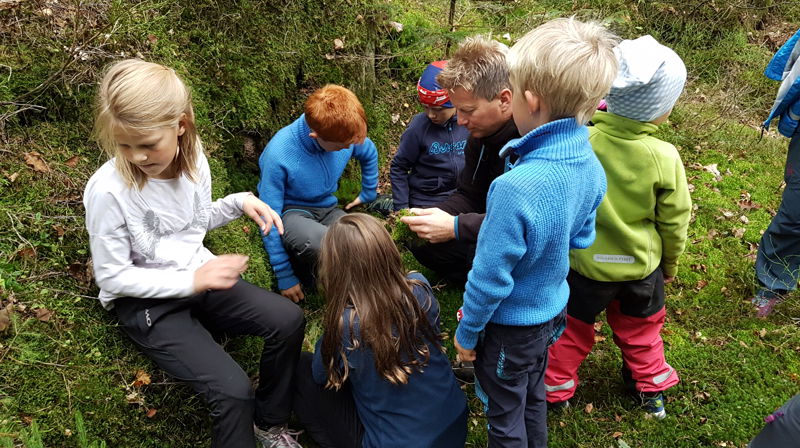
x: 463, y: 354
x: 668, y: 279
x: 431, y: 224
x: 295, y: 293
x: 262, y: 214
x: 354, y: 203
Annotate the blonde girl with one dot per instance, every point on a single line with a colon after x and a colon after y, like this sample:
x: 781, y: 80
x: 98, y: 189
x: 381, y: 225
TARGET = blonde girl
x: 148, y: 209
x: 379, y: 377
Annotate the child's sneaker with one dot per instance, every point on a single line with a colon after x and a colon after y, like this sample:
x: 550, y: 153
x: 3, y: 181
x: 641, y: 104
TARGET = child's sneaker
x: 765, y: 303
x: 464, y: 371
x: 383, y: 204
x: 558, y: 406
x: 654, y: 405
x: 277, y: 437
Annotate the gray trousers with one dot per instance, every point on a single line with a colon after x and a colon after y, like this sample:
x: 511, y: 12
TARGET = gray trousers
x: 304, y: 228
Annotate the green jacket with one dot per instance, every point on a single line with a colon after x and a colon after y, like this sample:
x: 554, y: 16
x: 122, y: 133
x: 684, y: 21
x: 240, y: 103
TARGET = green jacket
x: 643, y: 219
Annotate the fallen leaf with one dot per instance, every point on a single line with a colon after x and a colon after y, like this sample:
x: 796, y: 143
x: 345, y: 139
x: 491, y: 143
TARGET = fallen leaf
x: 338, y: 44
x: 12, y: 177
x: 152, y: 38
x: 744, y: 219
x: 5, y: 317
x: 395, y: 85
x: 727, y: 214
x: 27, y: 252
x: 80, y: 271
x: 397, y: 26
x: 589, y: 408
x: 68, y: 432
x: 329, y: 56
x: 246, y: 229
x: 738, y: 232
x: 134, y: 398
x: 598, y: 325
x: 617, y: 418
x: 36, y: 161
x: 762, y: 333
x: 395, y: 118
x: 72, y: 162
x: 151, y: 413
x: 712, y: 234
x: 43, y: 314
x: 616, y: 435
x: 713, y: 170
x: 562, y: 424
x: 743, y: 344
x: 142, y: 379
x: 700, y: 285
x: 599, y: 338
x: 60, y: 231
x: 699, y: 267
x: 27, y: 419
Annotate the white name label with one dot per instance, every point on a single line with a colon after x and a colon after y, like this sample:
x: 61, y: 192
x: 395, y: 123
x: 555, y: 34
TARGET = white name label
x: 602, y: 258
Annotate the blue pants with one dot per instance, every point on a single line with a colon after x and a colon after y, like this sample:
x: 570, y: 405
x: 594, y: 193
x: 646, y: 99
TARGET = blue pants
x: 509, y: 372
x: 778, y: 260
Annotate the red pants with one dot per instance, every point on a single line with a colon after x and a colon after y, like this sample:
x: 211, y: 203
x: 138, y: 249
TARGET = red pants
x: 635, y: 312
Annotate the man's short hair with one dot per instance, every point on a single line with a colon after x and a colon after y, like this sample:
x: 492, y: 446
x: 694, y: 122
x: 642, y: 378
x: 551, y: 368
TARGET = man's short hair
x: 335, y: 114
x: 568, y: 63
x: 478, y: 66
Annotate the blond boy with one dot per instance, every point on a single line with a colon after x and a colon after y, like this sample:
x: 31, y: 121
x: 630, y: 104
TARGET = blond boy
x: 517, y: 291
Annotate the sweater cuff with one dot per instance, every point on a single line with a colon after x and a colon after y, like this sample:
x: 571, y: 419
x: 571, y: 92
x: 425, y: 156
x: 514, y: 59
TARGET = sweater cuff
x: 368, y: 195
x: 287, y: 281
x: 669, y: 269
x: 238, y: 199
x: 455, y: 227
x: 467, y: 339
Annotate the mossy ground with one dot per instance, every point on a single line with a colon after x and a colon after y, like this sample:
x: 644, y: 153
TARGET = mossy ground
x: 251, y: 63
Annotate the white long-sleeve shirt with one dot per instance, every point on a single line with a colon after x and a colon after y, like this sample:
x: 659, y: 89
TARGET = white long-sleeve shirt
x: 148, y: 243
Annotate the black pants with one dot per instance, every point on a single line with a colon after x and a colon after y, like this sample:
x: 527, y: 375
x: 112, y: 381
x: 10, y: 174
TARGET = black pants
x: 451, y: 259
x: 178, y: 334
x: 329, y: 416
x: 509, y: 372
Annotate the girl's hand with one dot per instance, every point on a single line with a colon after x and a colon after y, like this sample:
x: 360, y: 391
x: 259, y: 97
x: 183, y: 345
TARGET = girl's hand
x: 295, y: 293
x: 262, y: 214
x: 355, y: 202
x: 220, y: 273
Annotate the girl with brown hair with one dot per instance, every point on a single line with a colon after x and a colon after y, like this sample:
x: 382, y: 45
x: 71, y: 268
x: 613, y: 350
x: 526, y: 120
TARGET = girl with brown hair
x: 379, y: 377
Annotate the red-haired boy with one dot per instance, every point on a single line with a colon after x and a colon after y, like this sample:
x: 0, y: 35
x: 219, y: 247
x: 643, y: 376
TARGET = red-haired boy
x: 300, y: 171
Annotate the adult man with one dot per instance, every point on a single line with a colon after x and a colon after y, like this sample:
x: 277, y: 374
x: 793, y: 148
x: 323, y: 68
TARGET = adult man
x: 476, y: 79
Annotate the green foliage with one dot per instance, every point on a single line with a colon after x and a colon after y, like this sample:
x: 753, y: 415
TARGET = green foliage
x: 401, y: 233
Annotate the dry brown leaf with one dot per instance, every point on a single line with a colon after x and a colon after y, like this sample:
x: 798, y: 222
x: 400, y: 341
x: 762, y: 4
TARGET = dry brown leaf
x: 152, y: 38
x: 738, y: 232
x: 5, y: 317
x: 44, y: 315
x: 589, y: 408
x: 598, y: 325
x: 599, y: 338
x: 338, y: 44
x: 617, y: 418
x: 700, y: 285
x: 12, y: 177
x: 60, y: 231
x: 616, y: 435
x: 134, y: 398
x: 562, y: 424
x: 142, y: 379
x: 36, y: 161
x: 246, y: 229
x: 72, y: 162
x: 151, y: 413
x: 27, y: 252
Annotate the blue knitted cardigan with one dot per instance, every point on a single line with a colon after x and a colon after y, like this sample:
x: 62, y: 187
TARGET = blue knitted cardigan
x: 296, y: 171
x: 535, y: 214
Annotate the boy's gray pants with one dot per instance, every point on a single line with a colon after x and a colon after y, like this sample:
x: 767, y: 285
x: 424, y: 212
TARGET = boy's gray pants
x: 304, y: 228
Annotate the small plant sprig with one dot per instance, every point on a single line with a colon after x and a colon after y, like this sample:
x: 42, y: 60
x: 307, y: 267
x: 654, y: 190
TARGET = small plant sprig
x: 400, y: 231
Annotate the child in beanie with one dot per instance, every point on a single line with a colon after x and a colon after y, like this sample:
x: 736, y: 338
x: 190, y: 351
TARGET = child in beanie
x: 431, y: 153
x: 641, y: 230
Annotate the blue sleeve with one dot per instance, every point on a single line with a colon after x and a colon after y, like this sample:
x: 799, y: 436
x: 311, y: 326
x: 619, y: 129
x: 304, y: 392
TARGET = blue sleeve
x: 271, y: 188
x: 501, y: 244
x: 318, y: 370
x: 404, y: 160
x: 586, y: 235
x: 367, y: 155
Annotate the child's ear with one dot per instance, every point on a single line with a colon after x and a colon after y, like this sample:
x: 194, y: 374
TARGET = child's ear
x: 313, y: 135
x: 533, y: 101
x: 182, y: 125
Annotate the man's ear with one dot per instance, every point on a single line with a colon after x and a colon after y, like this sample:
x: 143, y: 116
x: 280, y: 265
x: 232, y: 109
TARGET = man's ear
x: 505, y: 97
x: 313, y: 135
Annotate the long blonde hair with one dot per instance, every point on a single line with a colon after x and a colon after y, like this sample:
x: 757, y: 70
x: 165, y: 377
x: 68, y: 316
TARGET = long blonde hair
x: 142, y: 96
x: 361, y: 269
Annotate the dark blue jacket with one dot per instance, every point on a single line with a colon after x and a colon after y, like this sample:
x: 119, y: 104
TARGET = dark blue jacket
x: 430, y: 411
x: 425, y: 168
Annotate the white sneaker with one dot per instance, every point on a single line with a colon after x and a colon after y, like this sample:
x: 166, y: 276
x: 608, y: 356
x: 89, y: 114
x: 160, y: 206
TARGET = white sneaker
x: 277, y: 437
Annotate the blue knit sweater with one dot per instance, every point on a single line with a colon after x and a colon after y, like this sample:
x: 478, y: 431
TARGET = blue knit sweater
x: 296, y: 171
x: 535, y: 214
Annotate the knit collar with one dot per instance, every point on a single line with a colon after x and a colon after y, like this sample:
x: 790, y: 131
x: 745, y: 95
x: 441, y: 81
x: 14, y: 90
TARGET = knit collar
x: 564, y: 135
x: 622, y: 127
x: 301, y: 133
